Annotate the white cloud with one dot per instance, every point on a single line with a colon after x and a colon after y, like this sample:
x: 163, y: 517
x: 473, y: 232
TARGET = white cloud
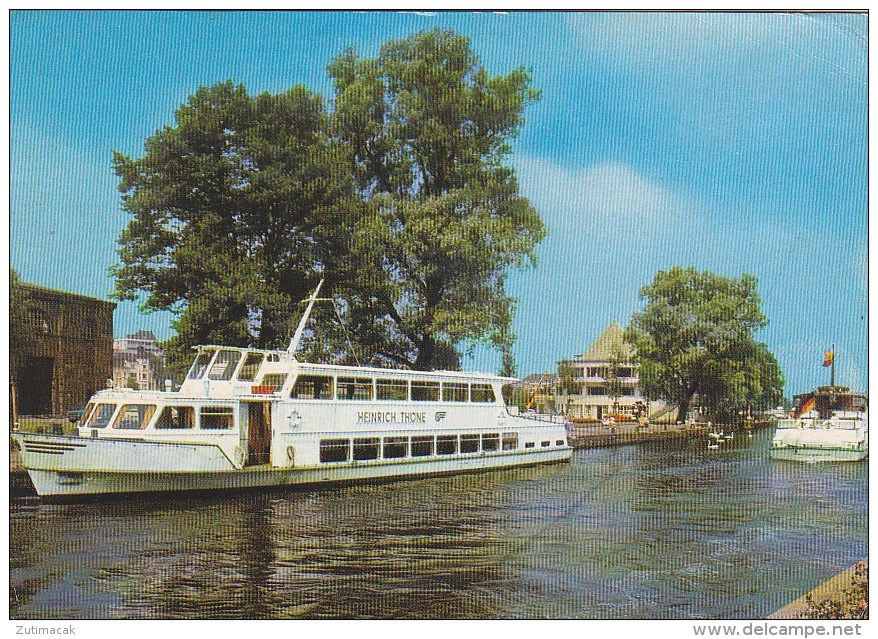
x: 604, y: 193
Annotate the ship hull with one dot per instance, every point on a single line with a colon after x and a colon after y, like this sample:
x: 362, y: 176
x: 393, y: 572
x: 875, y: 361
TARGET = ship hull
x: 815, y: 455
x: 79, y: 475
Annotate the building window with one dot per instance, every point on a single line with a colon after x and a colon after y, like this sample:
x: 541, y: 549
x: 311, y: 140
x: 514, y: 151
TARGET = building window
x: 483, y: 393
x: 422, y: 446
x: 217, y: 417
x: 334, y: 450
x: 366, y: 448
x: 359, y: 388
x: 454, y: 392
x: 176, y: 417
x: 425, y: 391
x: 446, y: 444
x: 312, y: 387
x: 134, y: 416
x: 396, y: 447
x: 490, y: 442
x: 392, y: 389
x: 469, y: 443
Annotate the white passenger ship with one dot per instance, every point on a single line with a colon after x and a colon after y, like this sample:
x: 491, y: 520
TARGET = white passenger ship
x: 247, y: 418
x: 831, y: 424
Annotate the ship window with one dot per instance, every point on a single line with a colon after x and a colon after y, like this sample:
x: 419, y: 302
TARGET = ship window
x: 134, y: 416
x: 176, y: 417
x: 312, y: 387
x: 425, y: 391
x: 393, y: 389
x: 366, y: 448
x: 275, y: 380
x: 491, y: 442
x: 483, y: 393
x: 217, y: 417
x: 446, y: 444
x: 101, y: 415
x: 224, y: 365
x: 200, y: 365
x: 359, y: 388
x: 453, y: 392
x: 422, y: 446
x: 559, y: 442
x: 86, y: 413
x: 396, y: 447
x: 510, y: 441
x: 469, y: 443
x: 545, y: 444
x: 251, y: 367
x: 529, y: 445
x: 334, y: 450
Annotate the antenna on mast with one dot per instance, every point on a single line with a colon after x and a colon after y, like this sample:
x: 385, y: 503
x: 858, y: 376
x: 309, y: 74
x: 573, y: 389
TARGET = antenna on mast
x: 297, y: 337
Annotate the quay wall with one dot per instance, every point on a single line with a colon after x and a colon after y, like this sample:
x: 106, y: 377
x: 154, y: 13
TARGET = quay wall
x: 598, y: 435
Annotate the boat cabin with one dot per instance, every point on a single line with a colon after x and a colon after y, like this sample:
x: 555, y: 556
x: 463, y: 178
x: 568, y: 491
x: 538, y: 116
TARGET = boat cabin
x: 831, y: 399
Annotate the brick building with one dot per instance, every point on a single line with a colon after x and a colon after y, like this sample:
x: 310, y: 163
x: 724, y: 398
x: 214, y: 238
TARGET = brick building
x: 72, y: 352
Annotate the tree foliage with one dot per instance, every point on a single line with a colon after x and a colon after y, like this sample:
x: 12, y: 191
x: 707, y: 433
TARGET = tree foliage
x: 400, y: 197
x: 234, y: 210
x: 427, y: 131
x: 851, y: 603
x: 695, y: 335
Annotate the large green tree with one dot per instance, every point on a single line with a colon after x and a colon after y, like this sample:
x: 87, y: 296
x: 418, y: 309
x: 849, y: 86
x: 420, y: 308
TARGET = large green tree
x: 695, y: 335
x: 236, y: 208
x: 427, y: 131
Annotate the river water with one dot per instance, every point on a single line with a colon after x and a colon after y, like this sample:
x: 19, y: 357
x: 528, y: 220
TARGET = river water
x: 663, y: 530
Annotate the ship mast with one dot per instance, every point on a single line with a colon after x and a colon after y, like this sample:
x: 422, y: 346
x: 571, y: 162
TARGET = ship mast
x: 297, y: 337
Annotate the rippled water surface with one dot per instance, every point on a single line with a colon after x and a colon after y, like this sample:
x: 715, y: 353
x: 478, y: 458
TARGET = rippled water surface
x: 648, y: 531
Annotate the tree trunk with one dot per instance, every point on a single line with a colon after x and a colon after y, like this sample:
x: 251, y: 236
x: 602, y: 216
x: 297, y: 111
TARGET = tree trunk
x: 426, y: 353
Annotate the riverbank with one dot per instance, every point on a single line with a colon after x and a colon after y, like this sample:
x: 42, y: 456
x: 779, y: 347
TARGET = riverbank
x: 599, y: 435
x: 834, y: 589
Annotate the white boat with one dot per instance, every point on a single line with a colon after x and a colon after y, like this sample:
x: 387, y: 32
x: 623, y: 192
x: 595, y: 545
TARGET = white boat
x: 829, y: 424
x: 247, y: 418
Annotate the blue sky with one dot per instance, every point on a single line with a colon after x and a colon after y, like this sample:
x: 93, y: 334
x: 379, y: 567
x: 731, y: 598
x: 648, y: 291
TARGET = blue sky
x: 730, y: 142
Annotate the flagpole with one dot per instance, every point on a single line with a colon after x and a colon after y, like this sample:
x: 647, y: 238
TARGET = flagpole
x: 832, y: 370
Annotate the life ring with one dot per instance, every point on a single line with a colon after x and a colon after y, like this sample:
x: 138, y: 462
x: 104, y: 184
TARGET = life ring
x: 291, y: 455
x: 239, y: 456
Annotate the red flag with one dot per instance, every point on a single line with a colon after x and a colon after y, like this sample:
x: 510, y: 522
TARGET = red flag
x: 809, y: 405
x: 828, y: 358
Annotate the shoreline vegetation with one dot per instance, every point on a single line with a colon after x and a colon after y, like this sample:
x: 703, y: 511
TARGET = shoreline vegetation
x: 845, y: 596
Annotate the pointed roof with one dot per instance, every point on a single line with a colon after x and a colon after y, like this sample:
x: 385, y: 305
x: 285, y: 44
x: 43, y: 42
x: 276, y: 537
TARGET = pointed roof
x: 612, y: 339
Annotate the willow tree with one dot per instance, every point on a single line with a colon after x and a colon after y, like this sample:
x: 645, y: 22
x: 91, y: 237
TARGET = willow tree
x: 695, y: 336
x: 427, y: 131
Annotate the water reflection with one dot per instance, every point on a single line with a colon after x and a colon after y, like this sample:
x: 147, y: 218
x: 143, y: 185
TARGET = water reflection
x: 635, y: 532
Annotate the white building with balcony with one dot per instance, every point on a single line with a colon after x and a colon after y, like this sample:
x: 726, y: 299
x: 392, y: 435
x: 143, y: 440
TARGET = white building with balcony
x: 604, y: 379
x: 135, y: 358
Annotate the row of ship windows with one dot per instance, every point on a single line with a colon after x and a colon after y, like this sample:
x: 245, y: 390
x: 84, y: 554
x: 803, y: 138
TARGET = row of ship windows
x: 371, y: 448
x: 138, y: 416
x: 222, y: 367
